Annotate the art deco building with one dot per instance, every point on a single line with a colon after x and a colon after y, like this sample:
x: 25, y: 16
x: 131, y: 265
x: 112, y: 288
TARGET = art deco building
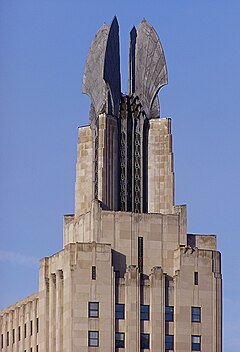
x: 129, y: 277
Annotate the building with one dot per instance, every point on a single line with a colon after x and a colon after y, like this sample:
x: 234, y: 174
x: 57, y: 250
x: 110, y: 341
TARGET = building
x: 129, y: 277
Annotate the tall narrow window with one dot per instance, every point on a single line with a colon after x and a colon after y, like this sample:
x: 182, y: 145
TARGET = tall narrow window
x: 25, y: 330
x: 168, y: 342
x: 37, y: 348
x: 196, y: 343
x: 196, y: 314
x: 13, y: 335
x: 2, y: 341
x: 144, y: 312
x: 37, y: 325
x: 31, y: 327
x: 93, y: 309
x: 8, y: 338
x: 119, y: 340
x: 140, y: 254
x: 94, y: 274
x: 119, y: 311
x: 144, y: 341
x: 93, y: 338
x: 19, y: 333
x: 169, y: 312
x: 195, y: 278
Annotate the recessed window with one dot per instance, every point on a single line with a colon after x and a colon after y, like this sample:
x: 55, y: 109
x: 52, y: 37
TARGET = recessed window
x: 119, y: 340
x: 37, y: 348
x: 8, y: 338
x: 196, y: 314
x: 93, y: 338
x: 37, y: 325
x: 144, y: 312
x: 31, y: 327
x: 94, y: 273
x: 25, y: 330
x: 169, y: 312
x: 119, y: 311
x: 13, y: 335
x: 93, y: 309
x: 19, y: 333
x: 196, y: 343
x: 2, y: 341
x: 144, y: 341
x: 195, y: 278
x: 169, y: 342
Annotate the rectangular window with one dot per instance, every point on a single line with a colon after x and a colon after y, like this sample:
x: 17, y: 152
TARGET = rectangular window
x: 169, y: 312
x: 25, y: 330
x: 119, y: 340
x: 94, y: 274
x: 31, y: 349
x: 169, y: 342
x: 8, y: 338
x: 2, y: 341
x: 144, y: 312
x: 31, y: 327
x: 37, y: 348
x: 140, y: 254
x: 19, y: 333
x: 93, y: 338
x: 144, y: 341
x: 119, y: 311
x: 13, y: 335
x: 196, y: 278
x: 196, y: 343
x: 93, y: 309
x: 196, y: 314
x: 37, y: 325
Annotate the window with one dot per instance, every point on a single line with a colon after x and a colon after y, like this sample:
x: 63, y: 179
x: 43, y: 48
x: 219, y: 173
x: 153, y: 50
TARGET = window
x: 93, y: 338
x: 25, y: 330
x: 94, y: 274
x: 144, y: 341
x: 196, y: 343
x: 93, y: 309
x: 119, y: 340
x: 140, y: 254
x: 19, y: 333
x: 169, y: 311
x: 13, y: 335
x: 2, y: 341
x: 8, y: 338
x: 144, y: 312
x: 119, y: 311
x: 37, y: 348
x: 196, y: 314
x: 31, y: 349
x: 168, y: 342
x: 31, y: 327
x: 196, y: 278
x: 37, y: 325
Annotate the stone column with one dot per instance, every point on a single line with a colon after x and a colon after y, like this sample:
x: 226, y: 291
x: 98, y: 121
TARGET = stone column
x: 59, y: 311
x: 52, y: 312
x: 132, y: 304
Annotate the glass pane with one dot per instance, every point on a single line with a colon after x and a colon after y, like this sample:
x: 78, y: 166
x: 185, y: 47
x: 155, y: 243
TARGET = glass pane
x: 169, y: 342
x: 145, y: 341
x: 144, y: 312
x: 196, y: 339
x: 119, y: 311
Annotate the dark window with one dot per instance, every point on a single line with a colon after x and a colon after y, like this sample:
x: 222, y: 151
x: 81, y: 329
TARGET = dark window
x: 31, y: 327
x: 19, y: 333
x: 8, y: 338
x: 25, y: 330
x: 119, y: 311
x: 37, y: 325
x: 94, y: 274
x: 37, y: 348
x: 169, y: 312
x: 93, y: 338
x: 2, y: 341
x: 93, y: 309
x: 196, y: 278
x: 144, y: 341
x: 13, y: 335
x: 119, y: 340
x: 31, y: 349
x: 140, y: 254
x: 196, y: 343
x: 168, y: 342
x: 196, y: 314
x: 144, y: 312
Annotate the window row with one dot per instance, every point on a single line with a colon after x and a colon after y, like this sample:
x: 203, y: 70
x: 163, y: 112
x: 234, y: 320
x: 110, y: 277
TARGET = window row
x: 93, y: 312
x: 18, y: 333
x: 93, y: 341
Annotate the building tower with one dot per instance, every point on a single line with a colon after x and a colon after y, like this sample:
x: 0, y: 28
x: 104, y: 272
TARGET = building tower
x: 129, y: 277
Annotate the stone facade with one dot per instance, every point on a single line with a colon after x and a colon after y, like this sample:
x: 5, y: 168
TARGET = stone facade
x: 125, y: 280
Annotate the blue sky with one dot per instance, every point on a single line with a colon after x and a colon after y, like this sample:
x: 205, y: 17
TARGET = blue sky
x: 44, y: 45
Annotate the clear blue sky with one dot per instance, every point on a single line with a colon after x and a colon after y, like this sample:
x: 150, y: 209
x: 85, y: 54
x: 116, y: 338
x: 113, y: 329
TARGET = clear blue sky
x: 43, y: 47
